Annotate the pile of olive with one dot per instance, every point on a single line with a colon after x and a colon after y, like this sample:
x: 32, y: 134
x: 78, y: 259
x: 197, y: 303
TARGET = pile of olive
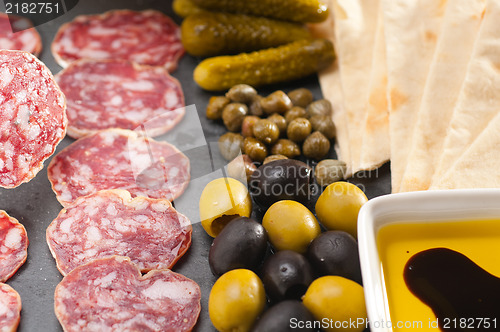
x: 279, y: 125
x: 285, y: 263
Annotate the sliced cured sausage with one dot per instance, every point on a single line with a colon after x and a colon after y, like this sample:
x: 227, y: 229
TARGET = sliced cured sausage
x: 17, y: 33
x: 147, y: 37
x: 148, y: 231
x: 13, y: 246
x: 119, y: 159
x: 10, y: 308
x: 109, y: 294
x: 32, y: 116
x: 103, y: 94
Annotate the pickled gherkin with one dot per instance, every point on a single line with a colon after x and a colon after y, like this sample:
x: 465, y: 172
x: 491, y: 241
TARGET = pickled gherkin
x: 287, y: 10
x: 284, y: 63
x: 209, y: 34
x: 184, y: 8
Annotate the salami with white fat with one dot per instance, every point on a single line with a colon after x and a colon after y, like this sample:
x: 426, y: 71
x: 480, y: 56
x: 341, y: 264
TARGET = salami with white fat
x: 32, y: 116
x: 17, y: 33
x: 146, y: 37
x: 103, y: 94
x: 110, y: 294
x: 148, y: 231
x: 13, y: 246
x: 10, y: 308
x: 119, y: 159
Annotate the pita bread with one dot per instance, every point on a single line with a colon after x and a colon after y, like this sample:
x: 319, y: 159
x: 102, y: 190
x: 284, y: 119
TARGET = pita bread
x: 447, y: 72
x: 331, y: 88
x: 375, y: 149
x: 411, y: 33
x: 478, y: 166
x: 479, y: 100
x: 355, y: 25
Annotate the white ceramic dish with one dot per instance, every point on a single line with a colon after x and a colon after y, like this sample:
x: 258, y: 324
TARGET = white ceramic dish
x: 424, y: 206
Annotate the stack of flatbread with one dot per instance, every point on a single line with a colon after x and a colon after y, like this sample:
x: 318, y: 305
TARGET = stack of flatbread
x: 417, y: 82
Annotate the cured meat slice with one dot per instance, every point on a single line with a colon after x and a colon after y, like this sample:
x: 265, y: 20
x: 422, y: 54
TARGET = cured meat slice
x: 148, y: 231
x: 109, y: 294
x: 103, y: 94
x: 32, y: 116
x: 147, y: 37
x: 119, y: 159
x: 23, y: 38
x: 10, y: 308
x: 13, y: 246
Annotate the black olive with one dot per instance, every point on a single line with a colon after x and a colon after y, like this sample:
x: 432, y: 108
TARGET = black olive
x: 241, y: 244
x: 335, y: 253
x: 286, y: 316
x: 286, y: 275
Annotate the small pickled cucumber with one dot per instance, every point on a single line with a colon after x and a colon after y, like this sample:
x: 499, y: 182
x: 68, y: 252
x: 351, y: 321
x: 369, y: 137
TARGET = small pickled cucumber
x: 209, y: 34
x: 284, y: 63
x: 184, y: 8
x: 287, y: 10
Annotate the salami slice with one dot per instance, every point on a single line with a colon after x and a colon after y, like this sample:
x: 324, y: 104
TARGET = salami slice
x: 13, y: 246
x: 25, y: 37
x: 148, y: 231
x: 147, y: 37
x: 109, y: 294
x: 10, y: 308
x: 104, y: 94
x: 119, y: 159
x: 32, y: 116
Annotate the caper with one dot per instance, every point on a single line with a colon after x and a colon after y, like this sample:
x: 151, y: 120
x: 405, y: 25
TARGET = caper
x: 294, y: 113
x: 329, y: 171
x: 280, y: 121
x: 276, y: 102
x: 316, y: 146
x: 319, y: 107
x: 301, y: 97
x: 241, y: 168
x: 255, y: 149
x: 298, y: 129
x: 274, y: 157
x: 230, y: 145
x: 247, y: 126
x: 323, y: 124
x: 241, y: 93
x: 215, y: 107
x: 255, y: 107
x: 266, y: 131
x: 286, y: 147
x: 233, y: 115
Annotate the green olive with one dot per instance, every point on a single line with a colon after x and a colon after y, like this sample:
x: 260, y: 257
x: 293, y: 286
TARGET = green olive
x: 241, y: 168
x: 230, y: 145
x: 319, y: 107
x: 301, y: 97
x: 329, y: 171
x: 294, y: 113
x: 290, y: 226
x: 236, y: 300
x: 266, y: 131
x: 255, y: 107
x: 276, y: 102
x: 299, y: 129
x: 286, y: 147
x: 274, y: 157
x: 233, y: 115
x: 323, y: 124
x: 255, y: 149
x: 316, y: 146
x: 215, y: 107
x: 338, y: 299
x: 280, y: 121
x: 241, y: 93
x: 247, y: 126
x: 221, y: 201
